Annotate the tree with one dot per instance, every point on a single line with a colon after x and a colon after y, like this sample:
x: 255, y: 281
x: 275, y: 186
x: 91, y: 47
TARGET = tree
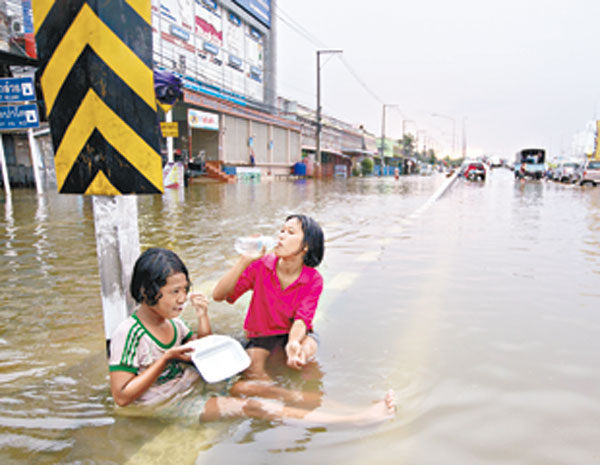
x: 407, y: 145
x: 429, y: 155
x: 367, y: 166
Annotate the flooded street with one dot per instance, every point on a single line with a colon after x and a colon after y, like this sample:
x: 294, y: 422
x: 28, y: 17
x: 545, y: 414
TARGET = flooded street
x: 480, y: 309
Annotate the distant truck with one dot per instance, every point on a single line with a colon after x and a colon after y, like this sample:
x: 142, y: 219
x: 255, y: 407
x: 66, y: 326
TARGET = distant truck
x: 530, y: 163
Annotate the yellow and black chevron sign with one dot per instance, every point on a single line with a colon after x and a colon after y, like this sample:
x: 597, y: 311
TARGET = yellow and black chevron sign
x: 98, y: 86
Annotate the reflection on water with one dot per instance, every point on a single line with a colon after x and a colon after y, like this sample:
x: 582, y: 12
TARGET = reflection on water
x: 480, y: 311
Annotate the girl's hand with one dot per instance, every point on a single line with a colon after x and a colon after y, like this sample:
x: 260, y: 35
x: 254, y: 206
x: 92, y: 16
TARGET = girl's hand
x: 199, y: 302
x: 250, y: 257
x: 296, y: 358
x: 179, y: 353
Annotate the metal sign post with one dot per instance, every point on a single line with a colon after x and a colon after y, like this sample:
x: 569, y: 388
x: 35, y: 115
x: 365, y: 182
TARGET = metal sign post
x: 170, y: 155
x: 4, y: 170
x: 21, y: 116
x: 35, y: 160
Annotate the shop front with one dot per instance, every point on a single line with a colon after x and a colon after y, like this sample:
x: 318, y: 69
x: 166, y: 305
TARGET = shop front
x: 235, y: 136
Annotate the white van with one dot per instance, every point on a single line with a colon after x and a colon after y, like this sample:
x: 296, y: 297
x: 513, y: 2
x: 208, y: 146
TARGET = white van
x: 590, y: 172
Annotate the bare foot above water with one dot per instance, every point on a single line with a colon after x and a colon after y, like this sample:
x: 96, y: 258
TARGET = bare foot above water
x: 380, y: 411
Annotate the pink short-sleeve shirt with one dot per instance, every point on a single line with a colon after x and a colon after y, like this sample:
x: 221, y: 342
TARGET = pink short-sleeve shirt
x: 272, y: 309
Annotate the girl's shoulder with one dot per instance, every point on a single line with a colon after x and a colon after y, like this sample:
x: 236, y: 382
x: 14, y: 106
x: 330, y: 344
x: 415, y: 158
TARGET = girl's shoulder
x: 182, y: 326
x: 311, y: 275
x: 125, y: 326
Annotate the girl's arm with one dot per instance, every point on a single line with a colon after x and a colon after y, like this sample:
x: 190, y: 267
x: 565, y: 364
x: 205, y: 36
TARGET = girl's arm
x: 293, y: 349
x: 127, y: 387
x: 200, y: 304
x: 227, y: 283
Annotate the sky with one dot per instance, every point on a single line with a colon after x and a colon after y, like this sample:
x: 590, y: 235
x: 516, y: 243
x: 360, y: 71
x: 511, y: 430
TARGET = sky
x: 500, y: 75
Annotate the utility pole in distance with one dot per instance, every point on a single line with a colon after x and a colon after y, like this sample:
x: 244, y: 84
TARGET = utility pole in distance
x: 383, y: 136
x: 318, y: 141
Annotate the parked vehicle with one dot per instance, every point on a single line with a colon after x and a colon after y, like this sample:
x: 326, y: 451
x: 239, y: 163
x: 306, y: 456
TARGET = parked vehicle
x: 530, y: 163
x: 567, y: 171
x: 473, y: 170
x: 590, y: 173
x: 495, y: 162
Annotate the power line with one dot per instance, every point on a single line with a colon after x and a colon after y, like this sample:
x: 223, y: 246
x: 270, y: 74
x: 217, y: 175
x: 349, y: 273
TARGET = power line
x: 287, y: 19
x: 298, y: 28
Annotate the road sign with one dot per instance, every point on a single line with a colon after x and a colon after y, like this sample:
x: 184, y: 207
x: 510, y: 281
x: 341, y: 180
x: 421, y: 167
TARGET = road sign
x: 19, y: 89
x: 19, y: 116
x: 96, y: 76
x: 169, y: 129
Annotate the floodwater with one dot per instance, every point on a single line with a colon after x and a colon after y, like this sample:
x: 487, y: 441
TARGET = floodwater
x: 480, y: 309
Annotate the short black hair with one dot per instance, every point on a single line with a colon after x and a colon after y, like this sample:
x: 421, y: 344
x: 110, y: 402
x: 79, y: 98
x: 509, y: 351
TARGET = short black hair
x: 313, y: 239
x: 150, y: 273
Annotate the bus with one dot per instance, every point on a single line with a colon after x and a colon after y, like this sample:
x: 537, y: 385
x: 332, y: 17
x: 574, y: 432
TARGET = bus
x: 530, y: 163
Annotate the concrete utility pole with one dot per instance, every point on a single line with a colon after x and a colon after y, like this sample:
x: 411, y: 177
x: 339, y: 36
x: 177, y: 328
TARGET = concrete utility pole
x: 318, y: 135
x: 453, y: 130
x: 118, y: 246
x: 418, y: 139
x: 404, y: 121
x: 382, y: 141
x: 464, y: 137
x: 270, y: 89
x: 383, y: 136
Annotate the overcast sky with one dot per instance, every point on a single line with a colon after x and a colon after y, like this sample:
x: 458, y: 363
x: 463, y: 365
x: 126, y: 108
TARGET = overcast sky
x: 514, y: 74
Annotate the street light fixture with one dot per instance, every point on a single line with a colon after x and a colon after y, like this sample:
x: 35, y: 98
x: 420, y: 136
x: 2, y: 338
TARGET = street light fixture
x: 453, y: 129
x: 318, y: 151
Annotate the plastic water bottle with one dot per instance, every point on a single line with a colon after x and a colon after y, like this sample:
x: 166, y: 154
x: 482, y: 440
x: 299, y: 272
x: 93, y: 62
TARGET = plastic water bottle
x: 253, y: 245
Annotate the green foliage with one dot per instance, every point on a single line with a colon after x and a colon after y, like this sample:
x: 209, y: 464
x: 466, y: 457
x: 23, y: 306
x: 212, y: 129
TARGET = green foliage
x: 367, y: 166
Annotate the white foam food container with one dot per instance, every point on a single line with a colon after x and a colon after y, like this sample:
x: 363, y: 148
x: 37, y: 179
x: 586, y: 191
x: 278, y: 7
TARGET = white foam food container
x: 218, y: 357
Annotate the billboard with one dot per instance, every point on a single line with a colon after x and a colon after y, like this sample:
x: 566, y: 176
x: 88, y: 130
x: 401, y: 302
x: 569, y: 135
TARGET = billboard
x: 260, y: 9
x: 204, y: 40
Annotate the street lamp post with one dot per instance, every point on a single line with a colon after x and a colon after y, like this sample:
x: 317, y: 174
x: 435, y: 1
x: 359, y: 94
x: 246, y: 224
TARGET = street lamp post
x: 318, y: 141
x: 453, y: 130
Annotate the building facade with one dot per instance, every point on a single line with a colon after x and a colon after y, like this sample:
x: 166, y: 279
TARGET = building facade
x: 224, y: 52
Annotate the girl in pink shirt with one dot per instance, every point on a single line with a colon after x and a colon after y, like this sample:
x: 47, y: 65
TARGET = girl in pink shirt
x: 150, y: 363
x: 286, y: 289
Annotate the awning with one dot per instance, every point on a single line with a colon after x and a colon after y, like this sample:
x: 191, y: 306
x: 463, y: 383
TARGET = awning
x: 359, y: 152
x: 331, y: 152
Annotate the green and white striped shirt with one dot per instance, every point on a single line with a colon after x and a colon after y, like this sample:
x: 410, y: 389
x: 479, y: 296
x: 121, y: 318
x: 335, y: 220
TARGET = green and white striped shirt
x: 133, y: 349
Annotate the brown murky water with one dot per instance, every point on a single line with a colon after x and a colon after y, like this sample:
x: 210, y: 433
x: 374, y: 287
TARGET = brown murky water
x: 479, y: 309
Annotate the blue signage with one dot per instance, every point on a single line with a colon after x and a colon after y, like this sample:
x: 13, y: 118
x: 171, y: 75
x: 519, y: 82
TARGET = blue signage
x: 27, y: 17
x: 235, y: 61
x: 17, y: 89
x: 210, y: 48
x: 255, y: 34
x: 19, y: 116
x: 180, y: 32
x: 260, y: 9
x: 233, y: 18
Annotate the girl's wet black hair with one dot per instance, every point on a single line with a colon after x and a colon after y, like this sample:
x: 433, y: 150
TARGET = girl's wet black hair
x: 150, y: 273
x: 313, y: 238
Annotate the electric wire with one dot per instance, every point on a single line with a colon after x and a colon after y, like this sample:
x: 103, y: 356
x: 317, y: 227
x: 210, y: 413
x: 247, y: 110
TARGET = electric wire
x: 302, y: 31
